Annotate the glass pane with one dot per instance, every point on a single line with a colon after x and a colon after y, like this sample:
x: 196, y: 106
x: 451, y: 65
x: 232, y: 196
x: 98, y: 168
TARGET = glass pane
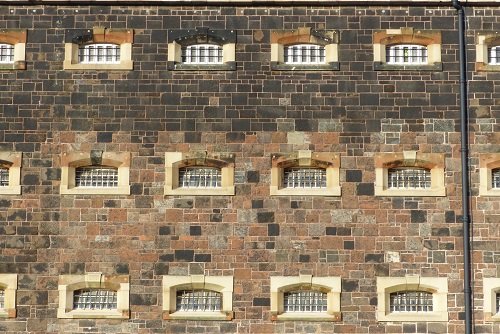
x: 411, y: 301
x: 96, y: 176
x: 304, y: 178
x: 409, y: 178
x: 304, y: 54
x: 94, y: 299
x: 4, y: 177
x: 6, y: 53
x: 99, y: 54
x: 198, y: 300
x: 305, y: 301
x: 200, y: 177
x: 406, y: 54
x: 202, y: 54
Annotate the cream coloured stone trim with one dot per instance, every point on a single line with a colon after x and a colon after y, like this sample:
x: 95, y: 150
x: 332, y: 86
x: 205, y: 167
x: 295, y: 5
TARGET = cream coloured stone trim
x: 72, y: 160
x: 329, y: 285
x: 70, y: 283
x: 12, y: 161
x: 329, y: 161
x: 221, y: 284
x: 8, y: 283
x: 431, y: 161
x: 176, y: 160
x: 491, y: 286
x: 488, y: 162
x: 438, y: 286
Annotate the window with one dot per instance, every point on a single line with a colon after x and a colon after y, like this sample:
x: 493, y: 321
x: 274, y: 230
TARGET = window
x: 491, y: 297
x: 489, y: 174
x: 487, y: 51
x: 407, y: 49
x: 305, y: 173
x: 13, y: 49
x: 198, y: 297
x: 304, y: 49
x: 95, y: 173
x: 201, y: 49
x: 409, y: 174
x: 93, y: 295
x: 199, y: 173
x: 8, y: 288
x: 305, y: 298
x: 10, y: 173
x: 412, y: 298
x: 494, y: 55
x: 98, y: 49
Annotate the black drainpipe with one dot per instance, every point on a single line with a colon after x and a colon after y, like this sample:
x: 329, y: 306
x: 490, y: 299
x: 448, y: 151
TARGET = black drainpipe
x: 464, y: 135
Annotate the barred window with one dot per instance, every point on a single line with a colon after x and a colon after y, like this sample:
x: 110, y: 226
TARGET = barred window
x: 99, y: 54
x: 200, y: 177
x: 406, y: 54
x: 202, y: 54
x: 198, y: 301
x: 304, y: 177
x: 4, y: 177
x: 495, y: 178
x: 2, y: 299
x: 6, y: 53
x: 305, y: 301
x: 497, y: 302
x: 411, y: 301
x: 304, y: 54
x: 409, y: 178
x: 494, y: 55
x: 96, y: 176
x: 94, y: 299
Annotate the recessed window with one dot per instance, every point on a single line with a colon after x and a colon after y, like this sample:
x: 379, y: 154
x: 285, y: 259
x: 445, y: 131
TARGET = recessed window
x: 489, y: 174
x: 198, y: 301
x: 4, y: 177
x: 99, y: 54
x: 94, y: 299
x: 8, y: 288
x: 6, y: 53
x: 406, y: 54
x: 305, y: 173
x: 487, y: 51
x: 304, y: 54
x: 200, y: 177
x: 409, y: 173
x: 202, y: 54
x: 12, y: 49
x: 96, y: 176
x: 411, y: 301
x: 491, y: 297
x: 305, y: 301
x: 10, y: 173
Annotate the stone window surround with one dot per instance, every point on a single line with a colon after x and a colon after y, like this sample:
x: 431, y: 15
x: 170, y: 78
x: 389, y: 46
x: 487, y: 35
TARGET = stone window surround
x: 491, y: 286
x: 12, y: 161
x: 329, y: 285
x: 94, y: 280
x: 176, y: 160
x: 429, y: 38
x: 71, y: 160
x: 432, y: 161
x: 222, y: 284
x: 179, y: 38
x: 438, y: 286
x: 484, y: 40
x: 281, y: 38
x: 8, y: 283
x: 17, y: 38
x: 305, y: 158
x: 488, y: 162
x: 76, y: 37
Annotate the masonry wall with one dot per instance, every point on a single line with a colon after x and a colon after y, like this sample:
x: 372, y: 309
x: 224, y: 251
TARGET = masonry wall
x: 252, y: 112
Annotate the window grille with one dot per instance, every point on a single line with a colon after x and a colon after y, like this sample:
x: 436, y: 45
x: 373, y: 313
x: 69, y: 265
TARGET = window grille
x: 411, y: 301
x: 96, y: 176
x: 99, y: 54
x: 198, y: 301
x: 2, y: 299
x: 409, y: 178
x: 304, y: 54
x: 497, y: 302
x: 406, y: 54
x: 494, y: 55
x: 305, y: 301
x: 202, y: 54
x: 304, y: 178
x: 200, y: 177
x: 4, y: 177
x: 6, y: 53
x: 495, y: 178
x: 94, y: 299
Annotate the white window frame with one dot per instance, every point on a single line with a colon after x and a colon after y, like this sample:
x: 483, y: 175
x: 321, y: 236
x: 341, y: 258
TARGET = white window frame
x: 487, y: 164
x: 8, y: 283
x: 91, y: 57
x: 491, y: 287
x: 197, y: 49
x: 12, y: 161
x: 398, y: 56
x: 438, y: 286
x: 306, y: 51
x: 68, y: 284
x: 329, y: 285
x: 326, y: 160
x: 221, y: 284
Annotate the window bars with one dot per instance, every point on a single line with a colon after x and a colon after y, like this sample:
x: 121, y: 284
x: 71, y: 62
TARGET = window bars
x: 406, y: 54
x: 409, y: 178
x: 200, y: 177
x: 304, y: 54
x: 495, y: 178
x: 497, y: 302
x: 202, y: 54
x: 411, y: 301
x: 198, y: 301
x: 96, y: 176
x: 94, y: 299
x: 4, y: 177
x: 2, y: 299
x: 494, y: 55
x: 304, y: 177
x: 6, y: 53
x: 304, y: 301
x: 99, y: 54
